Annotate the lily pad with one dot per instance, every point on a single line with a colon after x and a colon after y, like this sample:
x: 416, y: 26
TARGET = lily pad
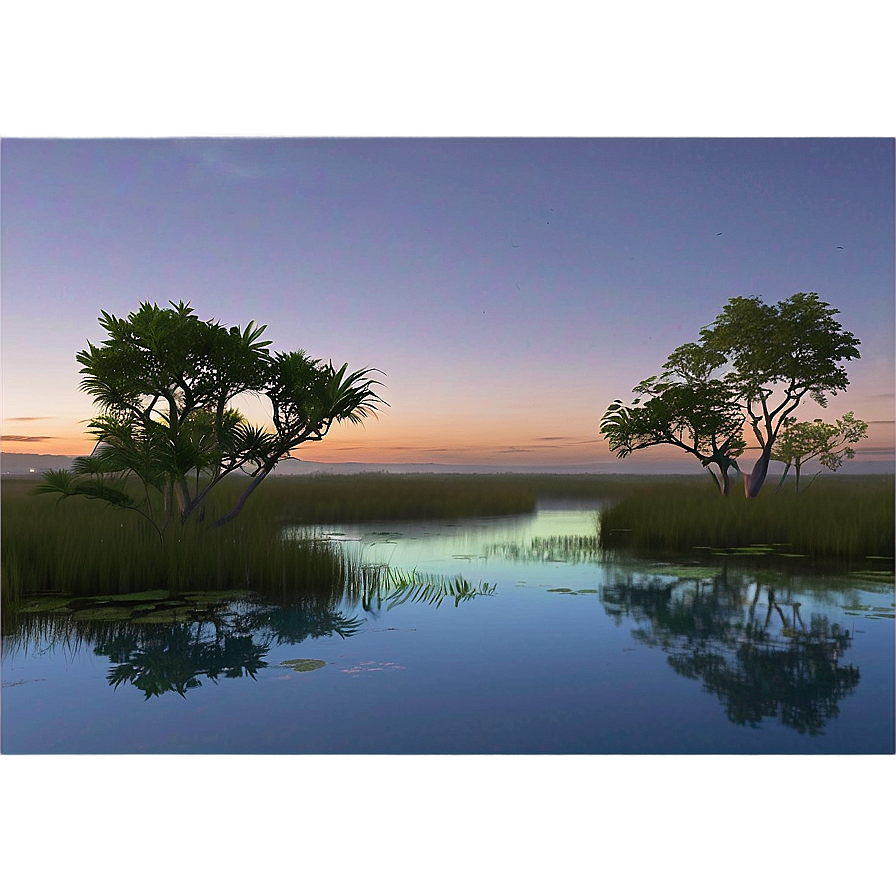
x: 687, y: 572
x: 142, y: 597
x: 560, y: 591
x: 304, y: 665
x: 45, y: 604
x: 103, y: 614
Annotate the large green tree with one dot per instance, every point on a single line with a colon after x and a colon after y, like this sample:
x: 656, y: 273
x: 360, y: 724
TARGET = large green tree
x: 164, y: 382
x: 685, y: 406
x: 831, y: 443
x: 752, y: 367
x: 777, y: 355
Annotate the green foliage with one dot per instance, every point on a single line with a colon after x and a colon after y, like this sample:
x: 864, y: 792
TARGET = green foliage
x: 85, y: 548
x: 686, y: 407
x: 829, y: 442
x: 768, y: 358
x: 796, y: 344
x: 303, y: 665
x: 778, y: 355
x: 164, y: 380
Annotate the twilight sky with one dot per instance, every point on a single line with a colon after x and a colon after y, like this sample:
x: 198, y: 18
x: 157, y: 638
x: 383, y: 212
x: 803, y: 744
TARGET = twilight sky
x: 509, y: 289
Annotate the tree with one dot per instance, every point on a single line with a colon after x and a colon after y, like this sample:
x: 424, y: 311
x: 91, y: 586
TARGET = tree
x: 686, y: 407
x: 778, y: 355
x: 164, y: 381
x: 829, y: 442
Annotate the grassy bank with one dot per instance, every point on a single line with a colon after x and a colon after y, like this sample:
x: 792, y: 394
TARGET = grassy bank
x: 86, y: 548
x: 842, y: 518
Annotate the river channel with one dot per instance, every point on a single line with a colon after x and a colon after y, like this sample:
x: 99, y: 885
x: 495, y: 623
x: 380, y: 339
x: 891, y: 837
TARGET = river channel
x: 511, y: 635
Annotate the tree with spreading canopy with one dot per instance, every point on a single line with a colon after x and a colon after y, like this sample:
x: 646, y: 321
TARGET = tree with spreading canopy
x: 164, y: 382
x: 755, y: 364
x: 831, y: 443
x: 777, y: 355
x: 686, y: 407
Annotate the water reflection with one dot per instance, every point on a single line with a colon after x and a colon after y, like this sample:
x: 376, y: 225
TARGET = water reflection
x: 550, y: 549
x: 756, y: 655
x: 770, y: 644
x: 162, y: 659
x: 229, y: 639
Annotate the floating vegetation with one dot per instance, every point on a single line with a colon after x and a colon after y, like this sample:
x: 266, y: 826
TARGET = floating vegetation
x: 45, y: 604
x: 686, y: 572
x: 104, y: 614
x: 371, y: 666
x: 138, y: 607
x: 304, y: 665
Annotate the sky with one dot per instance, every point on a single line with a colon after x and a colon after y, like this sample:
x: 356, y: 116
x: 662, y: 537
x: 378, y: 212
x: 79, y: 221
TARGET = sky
x: 508, y: 289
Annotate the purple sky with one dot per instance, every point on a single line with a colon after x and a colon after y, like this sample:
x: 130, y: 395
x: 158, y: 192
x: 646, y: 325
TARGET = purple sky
x: 509, y: 289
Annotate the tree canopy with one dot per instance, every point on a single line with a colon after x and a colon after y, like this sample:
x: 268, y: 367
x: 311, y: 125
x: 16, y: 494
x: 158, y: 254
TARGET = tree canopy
x: 831, y: 443
x: 164, y: 382
x: 753, y: 366
x: 685, y: 407
x: 776, y: 356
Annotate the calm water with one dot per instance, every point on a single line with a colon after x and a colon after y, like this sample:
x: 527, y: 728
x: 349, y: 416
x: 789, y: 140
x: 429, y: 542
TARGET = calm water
x: 545, y: 647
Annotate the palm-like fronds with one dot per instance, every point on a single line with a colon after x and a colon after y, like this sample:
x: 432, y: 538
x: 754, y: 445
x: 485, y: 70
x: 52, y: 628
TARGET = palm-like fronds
x: 164, y: 380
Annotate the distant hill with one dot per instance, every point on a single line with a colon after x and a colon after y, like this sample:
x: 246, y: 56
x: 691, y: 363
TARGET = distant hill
x: 18, y: 464
x: 23, y: 464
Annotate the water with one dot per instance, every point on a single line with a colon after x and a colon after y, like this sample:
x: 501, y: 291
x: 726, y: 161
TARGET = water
x: 544, y: 647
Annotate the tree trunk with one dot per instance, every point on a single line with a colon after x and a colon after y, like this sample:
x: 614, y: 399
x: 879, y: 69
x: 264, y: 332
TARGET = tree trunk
x: 243, y: 498
x: 726, y: 481
x: 753, y: 481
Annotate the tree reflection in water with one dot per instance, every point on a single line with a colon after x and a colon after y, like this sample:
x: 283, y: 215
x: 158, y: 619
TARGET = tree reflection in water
x: 229, y: 640
x: 758, y: 657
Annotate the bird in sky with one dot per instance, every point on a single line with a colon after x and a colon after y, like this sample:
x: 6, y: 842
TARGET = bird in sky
x: 839, y: 247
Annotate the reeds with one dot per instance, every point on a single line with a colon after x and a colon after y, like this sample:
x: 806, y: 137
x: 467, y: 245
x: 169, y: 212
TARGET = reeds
x: 86, y: 548
x: 841, y: 518
x: 83, y: 547
x: 330, y: 499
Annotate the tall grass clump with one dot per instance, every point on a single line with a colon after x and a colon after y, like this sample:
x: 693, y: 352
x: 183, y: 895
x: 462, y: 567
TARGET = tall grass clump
x: 85, y: 548
x: 843, y: 518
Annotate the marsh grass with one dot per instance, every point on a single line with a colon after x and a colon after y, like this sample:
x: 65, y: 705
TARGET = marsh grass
x: 312, y: 500
x: 81, y: 547
x: 843, y: 518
